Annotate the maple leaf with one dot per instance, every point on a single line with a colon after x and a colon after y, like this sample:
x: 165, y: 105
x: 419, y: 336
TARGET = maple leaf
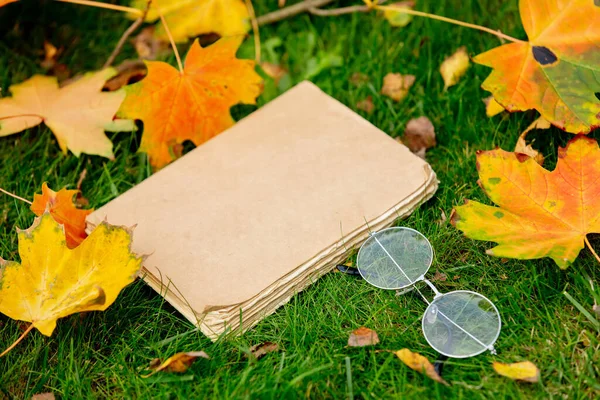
x: 61, y: 207
x: 54, y: 281
x: 190, y: 18
x: 76, y: 113
x: 541, y: 213
x: 191, y: 105
x: 557, y: 72
x: 420, y: 364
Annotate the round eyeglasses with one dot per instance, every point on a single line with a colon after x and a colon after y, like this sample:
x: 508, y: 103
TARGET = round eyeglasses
x: 457, y: 324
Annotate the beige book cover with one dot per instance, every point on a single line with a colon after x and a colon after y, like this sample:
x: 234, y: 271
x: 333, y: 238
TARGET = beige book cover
x: 253, y: 216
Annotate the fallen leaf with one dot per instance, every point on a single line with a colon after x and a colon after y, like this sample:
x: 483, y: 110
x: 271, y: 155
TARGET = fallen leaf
x: 419, y: 135
x: 366, y: 105
x: 397, y: 18
x: 541, y: 213
x: 492, y: 107
x: 190, y: 18
x: 274, y: 71
x: 213, y: 80
x: 76, y: 113
x: 454, y: 67
x: 556, y: 71
x: 522, y: 371
x: 439, y: 277
x: 396, y: 86
x: 5, y: 2
x: 420, y: 364
x: 128, y: 72
x: 43, y: 396
x: 262, y: 349
x: 54, y: 281
x: 363, y: 337
x: 179, y: 362
x: 359, y: 79
x: 148, y: 46
x: 523, y: 147
x: 61, y: 207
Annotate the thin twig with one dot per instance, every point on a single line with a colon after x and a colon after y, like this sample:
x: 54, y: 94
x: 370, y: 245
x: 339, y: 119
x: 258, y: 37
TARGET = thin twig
x: 255, y: 30
x: 15, y: 196
x: 162, y: 19
x: 126, y: 35
x: 591, y: 248
x: 16, y: 342
x: 338, y: 11
x: 290, y: 11
x: 104, y: 5
x: 449, y: 20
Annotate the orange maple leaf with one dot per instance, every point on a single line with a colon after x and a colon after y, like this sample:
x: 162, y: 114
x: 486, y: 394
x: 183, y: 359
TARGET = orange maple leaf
x: 541, y: 213
x: 193, y: 105
x: 63, y: 210
x: 556, y: 71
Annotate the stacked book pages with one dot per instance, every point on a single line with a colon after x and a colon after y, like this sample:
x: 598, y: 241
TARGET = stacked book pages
x: 242, y: 223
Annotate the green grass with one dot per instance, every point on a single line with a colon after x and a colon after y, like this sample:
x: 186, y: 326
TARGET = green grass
x: 102, y: 354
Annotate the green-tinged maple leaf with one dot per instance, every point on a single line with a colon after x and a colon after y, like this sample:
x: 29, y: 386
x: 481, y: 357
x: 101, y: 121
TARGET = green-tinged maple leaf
x: 541, y: 213
x: 557, y: 71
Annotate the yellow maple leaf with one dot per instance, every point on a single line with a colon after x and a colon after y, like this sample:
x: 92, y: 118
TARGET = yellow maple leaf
x: 77, y: 113
x: 190, y: 18
x: 54, y: 281
x: 420, y: 364
x: 193, y: 105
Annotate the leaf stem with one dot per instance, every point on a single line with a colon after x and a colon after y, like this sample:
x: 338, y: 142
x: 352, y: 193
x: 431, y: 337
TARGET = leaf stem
x: 587, y: 242
x: 16, y: 342
x: 104, y: 5
x: 162, y: 19
x: 449, y: 20
x: 126, y: 34
x: 254, y: 30
x: 16, y: 197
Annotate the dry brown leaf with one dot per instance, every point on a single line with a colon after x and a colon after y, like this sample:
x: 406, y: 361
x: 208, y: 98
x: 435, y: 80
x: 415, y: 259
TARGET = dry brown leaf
x: 366, y: 105
x: 128, y: 72
x: 359, y: 79
x: 420, y: 364
x: 179, y: 362
x: 523, y: 147
x: 419, y: 135
x: 363, y: 337
x: 454, y: 67
x: 274, y: 71
x: 522, y: 371
x: 262, y: 349
x: 396, y: 86
x: 148, y: 46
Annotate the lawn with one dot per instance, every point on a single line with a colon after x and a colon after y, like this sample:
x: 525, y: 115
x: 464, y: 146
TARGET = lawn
x: 103, y: 354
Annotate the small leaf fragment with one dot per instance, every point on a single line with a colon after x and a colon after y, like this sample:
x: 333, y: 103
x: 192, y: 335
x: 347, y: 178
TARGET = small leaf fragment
x: 523, y: 147
x: 262, y: 349
x: 396, y: 86
x: 273, y: 70
x: 179, y: 362
x: 399, y: 19
x: 454, y: 67
x: 366, y: 105
x: 363, y: 337
x: 420, y: 364
x: 62, y: 208
x: 43, y: 396
x: 522, y: 371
